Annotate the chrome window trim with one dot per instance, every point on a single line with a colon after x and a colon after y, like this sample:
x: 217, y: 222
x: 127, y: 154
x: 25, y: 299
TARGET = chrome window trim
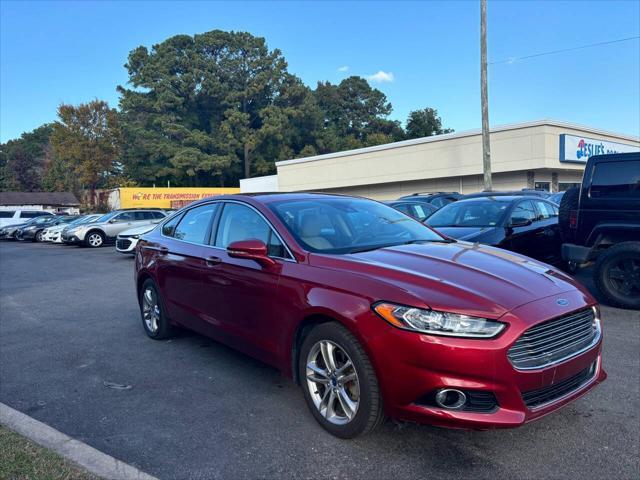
x: 269, y: 224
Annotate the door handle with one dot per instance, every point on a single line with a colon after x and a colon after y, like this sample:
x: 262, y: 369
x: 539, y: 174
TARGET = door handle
x: 212, y: 261
x: 163, y: 250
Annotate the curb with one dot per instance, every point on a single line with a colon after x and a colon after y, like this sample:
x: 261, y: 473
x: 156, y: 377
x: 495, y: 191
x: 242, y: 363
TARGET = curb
x: 80, y: 453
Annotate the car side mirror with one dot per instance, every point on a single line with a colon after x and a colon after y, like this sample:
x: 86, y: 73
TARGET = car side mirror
x: 113, y: 220
x: 250, y: 250
x: 520, y: 222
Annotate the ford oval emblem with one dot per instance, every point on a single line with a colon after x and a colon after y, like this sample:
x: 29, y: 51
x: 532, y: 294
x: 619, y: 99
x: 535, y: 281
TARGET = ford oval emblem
x: 562, y: 301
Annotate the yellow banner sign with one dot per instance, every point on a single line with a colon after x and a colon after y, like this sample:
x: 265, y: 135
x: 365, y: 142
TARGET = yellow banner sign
x: 167, y: 197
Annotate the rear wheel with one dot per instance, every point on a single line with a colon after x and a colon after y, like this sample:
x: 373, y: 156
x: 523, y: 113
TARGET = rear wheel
x: 338, y: 382
x: 94, y: 239
x: 38, y: 237
x: 617, y: 275
x: 154, y: 320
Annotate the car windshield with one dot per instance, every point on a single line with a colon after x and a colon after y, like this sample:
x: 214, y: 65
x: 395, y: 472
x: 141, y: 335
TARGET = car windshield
x: 481, y: 213
x: 349, y: 225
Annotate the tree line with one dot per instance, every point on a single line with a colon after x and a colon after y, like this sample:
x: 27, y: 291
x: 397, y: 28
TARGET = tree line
x: 203, y: 110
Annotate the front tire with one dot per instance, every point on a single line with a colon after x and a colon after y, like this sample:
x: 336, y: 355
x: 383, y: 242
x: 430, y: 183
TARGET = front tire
x: 94, y: 239
x: 617, y: 275
x: 154, y: 319
x: 38, y: 237
x: 339, y: 383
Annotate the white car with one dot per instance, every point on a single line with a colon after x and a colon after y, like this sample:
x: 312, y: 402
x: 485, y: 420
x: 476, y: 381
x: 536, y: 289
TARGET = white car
x: 54, y: 234
x: 17, y: 217
x: 127, y: 240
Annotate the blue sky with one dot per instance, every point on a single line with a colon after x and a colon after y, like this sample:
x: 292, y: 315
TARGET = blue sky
x: 53, y: 52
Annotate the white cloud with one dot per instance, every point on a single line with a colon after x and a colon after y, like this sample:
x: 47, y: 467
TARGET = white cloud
x: 344, y: 68
x: 381, y: 76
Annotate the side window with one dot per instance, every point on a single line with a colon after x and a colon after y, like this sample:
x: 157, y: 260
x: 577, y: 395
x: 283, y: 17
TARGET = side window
x: 24, y: 214
x: 6, y: 214
x: 616, y: 180
x: 403, y: 207
x: 546, y: 210
x: 194, y: 224
x: 169, y: 228
x: 239, y: 222
x: 438, y: 202
x: 524, y: 211
x: 125, y: 217
x: 157, y: 215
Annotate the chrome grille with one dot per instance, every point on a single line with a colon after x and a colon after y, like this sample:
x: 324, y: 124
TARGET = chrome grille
x: 555, y: 340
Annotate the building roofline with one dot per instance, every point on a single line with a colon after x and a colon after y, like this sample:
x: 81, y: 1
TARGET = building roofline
x: 450, y: 136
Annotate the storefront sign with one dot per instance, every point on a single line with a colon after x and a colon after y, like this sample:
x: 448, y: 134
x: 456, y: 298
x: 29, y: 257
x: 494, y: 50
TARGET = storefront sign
x: 167, y: 197
x: 578, y: 149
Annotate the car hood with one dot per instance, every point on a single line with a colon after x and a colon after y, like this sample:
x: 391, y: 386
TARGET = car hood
x: 56, y: 228
x: 465, y: 233
x: 458, y: 277
x: 139, y: 230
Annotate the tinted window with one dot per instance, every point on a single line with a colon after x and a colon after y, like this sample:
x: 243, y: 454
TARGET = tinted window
x: 616, y: 180
x: 524, y: 211
x: 142, y: 216
x: 239, y: 222
x: 477, y: 213
x: 126, y: 217
x: 157, y: 215
x: 6, y: 214
x: 546, y: 210
x: 345, y: 225
x: 169, y: 228
x: 194, y: 224
x: 32, y: 214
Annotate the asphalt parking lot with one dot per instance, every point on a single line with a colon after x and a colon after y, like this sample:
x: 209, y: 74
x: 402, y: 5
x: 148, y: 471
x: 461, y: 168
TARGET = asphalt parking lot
x: 74, y: 356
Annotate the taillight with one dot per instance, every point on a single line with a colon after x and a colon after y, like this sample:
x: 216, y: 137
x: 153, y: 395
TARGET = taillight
x: 573, y: 219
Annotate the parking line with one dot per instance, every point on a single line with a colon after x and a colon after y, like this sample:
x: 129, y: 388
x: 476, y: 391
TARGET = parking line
x: 89, y: 458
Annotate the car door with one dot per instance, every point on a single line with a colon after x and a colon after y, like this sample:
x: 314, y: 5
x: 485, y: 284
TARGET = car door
x: 521, y: 237
x: 548, y: 236
x: 241, y: 294
x: 120, y: 222
x: 181, y: 264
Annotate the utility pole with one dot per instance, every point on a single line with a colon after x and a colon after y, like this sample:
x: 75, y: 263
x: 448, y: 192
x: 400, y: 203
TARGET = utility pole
x: 484, y: 97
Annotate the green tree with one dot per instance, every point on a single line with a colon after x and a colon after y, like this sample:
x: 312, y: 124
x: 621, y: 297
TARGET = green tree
x: 212, y: 108
x: 24, y: 160
x: 86, y: 144
x: 425, y: 123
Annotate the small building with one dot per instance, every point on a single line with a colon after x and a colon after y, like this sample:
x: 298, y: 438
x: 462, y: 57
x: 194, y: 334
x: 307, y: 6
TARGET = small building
x: 60, y: 202
x: 546, y: 154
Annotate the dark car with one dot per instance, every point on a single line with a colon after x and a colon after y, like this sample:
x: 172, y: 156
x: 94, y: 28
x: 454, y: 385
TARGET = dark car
x: 527, y: 225
x: 33, y: 230
x: 556, y: 197
x: 525, y: 192
x: 418, y: 210
x: 438, y: 199
x: 600, y: 221
x: 372, y: 312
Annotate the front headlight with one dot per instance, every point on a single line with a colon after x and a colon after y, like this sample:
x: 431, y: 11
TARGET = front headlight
x: 434, y: 322
x: 135, y: 236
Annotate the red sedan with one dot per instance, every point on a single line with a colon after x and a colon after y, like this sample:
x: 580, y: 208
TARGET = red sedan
x: 373, y: 313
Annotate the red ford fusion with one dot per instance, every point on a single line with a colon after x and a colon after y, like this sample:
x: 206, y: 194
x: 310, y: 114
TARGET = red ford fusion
x: 372, y: 313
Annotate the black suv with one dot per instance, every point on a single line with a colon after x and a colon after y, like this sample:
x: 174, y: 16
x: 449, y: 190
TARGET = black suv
x: 601, y: 221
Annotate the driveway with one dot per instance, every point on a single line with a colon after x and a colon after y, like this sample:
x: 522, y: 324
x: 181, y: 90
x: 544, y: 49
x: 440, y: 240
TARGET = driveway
x: 73, y: 355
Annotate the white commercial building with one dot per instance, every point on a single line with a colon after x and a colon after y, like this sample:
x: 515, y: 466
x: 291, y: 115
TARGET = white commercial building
x: 544, y: 154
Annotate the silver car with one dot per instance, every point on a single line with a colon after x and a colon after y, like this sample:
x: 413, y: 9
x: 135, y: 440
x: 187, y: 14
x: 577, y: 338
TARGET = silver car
x: 106, y: 228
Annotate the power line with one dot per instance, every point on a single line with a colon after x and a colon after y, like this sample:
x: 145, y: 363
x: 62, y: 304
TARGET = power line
x: 551, y: 52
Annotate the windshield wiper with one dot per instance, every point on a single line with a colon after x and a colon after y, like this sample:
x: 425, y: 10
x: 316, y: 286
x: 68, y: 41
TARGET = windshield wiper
x: 370, y: 248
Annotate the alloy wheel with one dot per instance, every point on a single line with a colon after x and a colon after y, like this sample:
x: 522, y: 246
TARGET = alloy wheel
x: 95, y: 239
x: 39, y: 236
x: 150, y: 309
x: 333, y: 383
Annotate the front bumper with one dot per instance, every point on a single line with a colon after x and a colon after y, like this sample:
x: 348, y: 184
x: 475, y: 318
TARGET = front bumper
x: 126, y: 245
x: 412, y: 366
x: 68, y: 238
x: 27, y: 234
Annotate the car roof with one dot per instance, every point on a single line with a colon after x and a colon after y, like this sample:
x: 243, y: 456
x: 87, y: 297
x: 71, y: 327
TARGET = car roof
x: 270, y: 197
x: 500, y: 198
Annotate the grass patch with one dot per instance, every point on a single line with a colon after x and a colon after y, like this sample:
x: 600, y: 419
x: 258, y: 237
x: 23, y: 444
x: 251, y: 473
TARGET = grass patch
x: 21, y: 459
